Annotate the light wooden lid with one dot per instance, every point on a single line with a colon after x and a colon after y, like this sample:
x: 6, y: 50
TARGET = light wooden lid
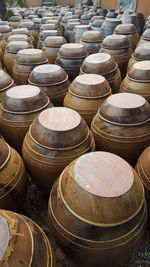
x: 103, y: 174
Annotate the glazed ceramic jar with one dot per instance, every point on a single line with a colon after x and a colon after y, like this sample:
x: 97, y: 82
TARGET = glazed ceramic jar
x: 131, y: 19
x: 145, y: 38
x: 24, y: 241
x: 19, y: 108
x: 130, y: 31
x: 96, y: 25
x: 122, y: 125
x: 23, y: 31
x: 69, y: 29
x: 43, y: 35
x: 11, y: 51
x: 32, y: 31
x: 142, y: 52
x: 5, y: 30
x: 26, y: 60
x: 105, y: 65
x: 52, y: 80
x: 14, y: 21
x: 13, y: 178
x: 51, y: 46
x: 19, y: 37
x: 86, y: 93
x: 119, y: 47
x: 137, y: 80
x: 109, y: 25
x: 70, y: 58
x: 3, y: 44
x: 87, y: 210
x: 78, y: 32
x: 6, y: 82
x: 92, y: 41
x: 56, y: 137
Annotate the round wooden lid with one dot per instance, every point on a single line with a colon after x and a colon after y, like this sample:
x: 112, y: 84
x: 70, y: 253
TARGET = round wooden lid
x: 23, y: 92
x: 4, y: 153
x: 4, y: 237
x: 59, y: 119
x: 103, y: 174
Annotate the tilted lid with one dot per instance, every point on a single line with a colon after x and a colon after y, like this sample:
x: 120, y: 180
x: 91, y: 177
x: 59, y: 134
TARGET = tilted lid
x: 31, y: 56
x: 140, y: 71
x: 125, y: 109
x: 90, y: 86
x: 24, y: 99
x: 4, y: 153
x: 116, y: 41
x: 142, y: 52
x: 72, y: 50
x: 14, y: 46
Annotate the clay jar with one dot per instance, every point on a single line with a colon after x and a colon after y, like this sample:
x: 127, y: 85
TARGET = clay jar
x: 86, y: 93
x: 24, y: 241
x: 19, y: 37
x: 142, y: 52
x: 14, y: 21
x: 92, y: 41
x: 78, y: 32
x: 23, y: 31
x: 70, y: 58
x: 30, y: 26
x: 26, y: 60
x: 56, y: 137
x: 3, y: 45
x: 96, y: 25
x: 51, y: 46
x: 5, y: 30
x: 13, y: 182
x: 52, y: 80
x: 130, y: 31
x: 109, y: 25
x: 19, y: 108
x: 105, y: 65
x: 145, y: 38
x: 137, y: 80
x: 122, y: 125
x: 11, y: 51
x: 143, y: 171
x: 119, y: 47
x: 6, y: 82
x: 87, y: 210
x: 69, y: 29
x: 43, y: 35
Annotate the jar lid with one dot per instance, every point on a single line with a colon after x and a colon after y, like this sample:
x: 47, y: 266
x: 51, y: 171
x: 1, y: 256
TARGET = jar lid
x: 4, y: 236
x: 5, y: 28
x: 5, y: 80
x: 125, y: 109
x: 4, y: 154
x: 92, y: 37
x: 140, y: 71
x: 146, y: 34
x: 54, y: 41
x: 72, y: 50
x: 20, y: 31
x: 125, y: 29
x: 31, y: 56
x: 116, y: 41
x: 18, y: 37
x: 15, y: 46
x: 47, y: 33
x: 142, y: 52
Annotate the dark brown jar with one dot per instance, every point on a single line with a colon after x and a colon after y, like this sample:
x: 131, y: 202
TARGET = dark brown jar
x: 142, y: 52
x: 122, y: 125
x: 92, y: 41
x: 52, y: 80
x: 119, y: 47
x: 6, y: 82
x: 105, y: 65
x: 130, y: 31
x: 145, y: 38
x: 20, y: 106
x: 109, y: 26
x: 56, y: 137
x: 70, y: 57
x: 86, y: 93
x: 137, y: 80
x: 78, y: 32
x: 13, y: 180
x: 88, y: 210
x: 25, y: 61
x: 24, y: 241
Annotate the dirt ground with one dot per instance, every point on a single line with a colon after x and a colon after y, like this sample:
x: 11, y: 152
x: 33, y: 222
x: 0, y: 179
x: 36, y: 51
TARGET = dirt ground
x: 36, y: 209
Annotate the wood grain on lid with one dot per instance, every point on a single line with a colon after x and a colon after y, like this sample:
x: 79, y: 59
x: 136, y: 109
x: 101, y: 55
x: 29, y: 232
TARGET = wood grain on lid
x: 47, y: 68
x: 30, y: 51
x: 23, y: 91
x: 98, y: 58
x: 90, y: 79
x: 4, y: 237
x: 59, y: 119
x: 143, y: 65
x: 126, y: 100
x: 103, y: 174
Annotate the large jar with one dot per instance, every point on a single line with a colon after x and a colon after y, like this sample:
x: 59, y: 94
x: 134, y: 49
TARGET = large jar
x: 96, y: 25
x: 137, y: 80
x: 14, y: 21
x: 109, y: 25
x: 52, y: 80
x: 131, y: 19
x: 119, y: 47
x: 23, y: 242
x: 6, y: 82
x: 5, y: 30
x: 122, y: 125
x: 105, y: 65
x: 86, y: 93
x: 92, y: 41
x: 3, y: 45
x: 51, y: 46
x: 142, y: 52
x: 69, y: 29
x: 145, y: 38
x: 70, y: 58
x: 20, y: 37
x: 78, y: 31
x: 23, y: 31
x: 13, y: 178
x: 26, y: 60
x: 30, y: 26
x: 11, y: 51
x: 44, y: 34
x: 20, y: 106
x: 130, y: 31
x: 88, y: 210
x: 56, y: 137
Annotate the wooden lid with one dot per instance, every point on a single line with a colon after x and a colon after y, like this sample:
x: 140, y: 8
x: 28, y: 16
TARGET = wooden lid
x: 4, y: 237
x: 4, y: 153
x: 31, y: 56
x: 140, y: 71
x: 90, y: 86
x: 103, y: 174
x: 72, y: 50
x: 60, y: 119
x: 24, y: 99
x: 125, y: 109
